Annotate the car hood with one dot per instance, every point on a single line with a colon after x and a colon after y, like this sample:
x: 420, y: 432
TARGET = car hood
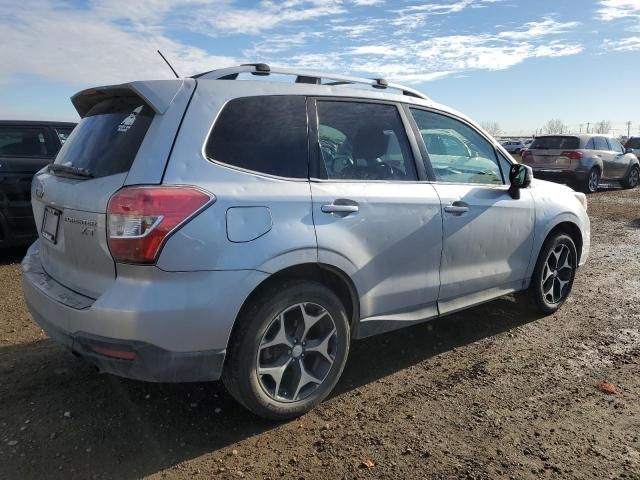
x: 549, y: 187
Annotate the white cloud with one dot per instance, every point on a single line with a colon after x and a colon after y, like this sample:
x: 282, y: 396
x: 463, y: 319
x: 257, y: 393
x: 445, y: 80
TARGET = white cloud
x: 545, y: 27
x: 82, y: 48
x: 625, y: 45
x: 615, y: 9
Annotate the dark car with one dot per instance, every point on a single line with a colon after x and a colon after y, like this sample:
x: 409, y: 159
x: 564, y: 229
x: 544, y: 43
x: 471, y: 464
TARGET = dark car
x: 25, y: 147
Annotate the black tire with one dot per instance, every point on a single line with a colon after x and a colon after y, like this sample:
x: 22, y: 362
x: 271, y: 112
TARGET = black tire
x: 543, y: 303
x: 589, y: 186
x: 633, y: 178
x: 240, y: 375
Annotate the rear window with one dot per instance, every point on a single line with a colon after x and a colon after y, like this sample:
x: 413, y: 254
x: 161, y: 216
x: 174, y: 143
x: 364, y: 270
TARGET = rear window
x: 108, y: 138
x: 266, y: 134
x: 633, y: 143
x: 25, y: 142
x: 555, y: 143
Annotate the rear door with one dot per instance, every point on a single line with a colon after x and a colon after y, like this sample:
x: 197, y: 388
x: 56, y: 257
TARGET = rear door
x: 373, y: 217
x: 488, y: 236
x: 24, y: 149
x: 602, y: 151
x: 117, y: 132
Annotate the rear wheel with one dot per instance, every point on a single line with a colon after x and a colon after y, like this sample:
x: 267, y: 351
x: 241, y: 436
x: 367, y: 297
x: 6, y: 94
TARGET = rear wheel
x: 633, y: 178
x: 592, y: 181
x: 554, y: 273
x: 289, y: 350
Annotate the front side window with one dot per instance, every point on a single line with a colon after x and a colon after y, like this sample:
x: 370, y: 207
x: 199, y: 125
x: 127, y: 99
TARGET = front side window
x: 24, y: 142
x: 600, y: 143
x: 457, y: 153
x: 363, y: 141
x: 63, y: 133
x: 266, y: 134
x: 615, y: 145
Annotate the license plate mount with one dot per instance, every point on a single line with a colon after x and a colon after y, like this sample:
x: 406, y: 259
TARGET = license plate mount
x: 50, y: 223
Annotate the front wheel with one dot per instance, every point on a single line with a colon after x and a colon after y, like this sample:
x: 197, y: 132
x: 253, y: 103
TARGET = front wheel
x: 288, y: 350
x: 554, y: 273
x: 633, y: 178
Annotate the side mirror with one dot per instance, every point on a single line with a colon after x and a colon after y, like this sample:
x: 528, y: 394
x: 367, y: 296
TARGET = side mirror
x: 520, y: 176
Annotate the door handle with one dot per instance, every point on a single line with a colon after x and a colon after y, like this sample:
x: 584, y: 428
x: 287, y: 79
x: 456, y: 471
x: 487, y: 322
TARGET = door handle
x: 457, y: 208
x: 333, y: 208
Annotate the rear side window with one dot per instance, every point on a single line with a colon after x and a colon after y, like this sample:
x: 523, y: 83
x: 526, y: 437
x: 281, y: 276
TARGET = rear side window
x: 600, y: 143
x: 633, y: 142
x: 556, y: 143
x: 590, y: 145
x: 265, y: 134
x: 108, y: 138
x: 24, y: 142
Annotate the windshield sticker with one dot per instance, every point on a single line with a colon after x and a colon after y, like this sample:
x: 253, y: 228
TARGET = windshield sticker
x: 128, y: 122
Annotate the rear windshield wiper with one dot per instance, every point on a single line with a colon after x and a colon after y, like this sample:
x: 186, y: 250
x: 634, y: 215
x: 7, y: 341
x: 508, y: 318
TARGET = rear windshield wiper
x: 69, y: 170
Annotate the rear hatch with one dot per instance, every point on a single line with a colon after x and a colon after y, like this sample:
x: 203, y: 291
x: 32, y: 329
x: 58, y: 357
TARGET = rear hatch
x: 123, y: 130
x: 552, y: 152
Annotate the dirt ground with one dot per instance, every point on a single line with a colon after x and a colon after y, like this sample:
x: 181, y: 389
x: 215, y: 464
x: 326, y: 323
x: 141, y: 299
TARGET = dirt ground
x: 493, y: 392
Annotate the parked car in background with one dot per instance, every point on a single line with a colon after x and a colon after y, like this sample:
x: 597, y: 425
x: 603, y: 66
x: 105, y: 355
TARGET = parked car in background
x: 25, y: 147
x: 582, y: 161
x: 633, y: 146
x: 513, y: 146
x: 205, y: 228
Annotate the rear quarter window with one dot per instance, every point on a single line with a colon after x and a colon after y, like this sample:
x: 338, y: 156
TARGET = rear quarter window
x: 556, y: 143
x: 266, y: 134
x: 107, y: 139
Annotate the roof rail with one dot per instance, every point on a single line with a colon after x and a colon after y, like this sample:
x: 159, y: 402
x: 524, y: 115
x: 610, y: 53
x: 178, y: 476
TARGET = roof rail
x: 303, y: 76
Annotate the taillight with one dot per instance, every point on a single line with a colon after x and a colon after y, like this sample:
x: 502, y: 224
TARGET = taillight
x: 525, y: 154
x: 573, y: 155
x: 140, y: 219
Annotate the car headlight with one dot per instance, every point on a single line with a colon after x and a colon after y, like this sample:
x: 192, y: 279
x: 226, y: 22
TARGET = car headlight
x: 582, y: 198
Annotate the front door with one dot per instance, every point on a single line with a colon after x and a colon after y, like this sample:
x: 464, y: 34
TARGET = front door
x: 488, y: 236
x: 373, y: 217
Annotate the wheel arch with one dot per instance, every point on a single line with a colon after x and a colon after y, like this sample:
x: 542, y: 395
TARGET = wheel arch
x: 569, y: 228
x: 331, y: 277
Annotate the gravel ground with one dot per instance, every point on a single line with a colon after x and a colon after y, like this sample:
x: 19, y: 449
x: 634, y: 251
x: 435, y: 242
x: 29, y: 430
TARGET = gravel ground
x: 493, y: 392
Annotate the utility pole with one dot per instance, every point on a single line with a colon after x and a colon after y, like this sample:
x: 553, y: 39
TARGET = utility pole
x: 628, y: 128
x: 588, y: 123
x: 581, y: 128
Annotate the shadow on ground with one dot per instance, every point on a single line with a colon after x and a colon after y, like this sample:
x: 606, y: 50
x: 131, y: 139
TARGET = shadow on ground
x: 9, y: 255
x: 127, y: 429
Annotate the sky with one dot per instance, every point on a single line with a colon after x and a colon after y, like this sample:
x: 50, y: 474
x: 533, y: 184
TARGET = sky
x: 515, y: 62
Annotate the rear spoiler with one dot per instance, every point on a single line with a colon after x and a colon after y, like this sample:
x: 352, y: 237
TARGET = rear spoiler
x: 158, y: 94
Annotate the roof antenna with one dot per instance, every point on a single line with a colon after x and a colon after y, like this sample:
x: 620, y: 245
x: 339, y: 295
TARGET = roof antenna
x: 167, y: 62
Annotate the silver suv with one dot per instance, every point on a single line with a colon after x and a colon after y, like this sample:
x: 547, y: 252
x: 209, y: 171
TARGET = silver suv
x: 214, y: 227
x: 583, y: 161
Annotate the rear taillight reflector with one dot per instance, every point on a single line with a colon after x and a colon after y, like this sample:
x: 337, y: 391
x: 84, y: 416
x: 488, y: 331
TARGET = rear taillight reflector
x: 114, y: 352
x: 572, y: 155
x: 140, y: 219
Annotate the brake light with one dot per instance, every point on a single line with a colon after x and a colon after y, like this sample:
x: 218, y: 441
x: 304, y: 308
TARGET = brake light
x: 525, y: 154
x: 141, y: 218
x: 573, y: 155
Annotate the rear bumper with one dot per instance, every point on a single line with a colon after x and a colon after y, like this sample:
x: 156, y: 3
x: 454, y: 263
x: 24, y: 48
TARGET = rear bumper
x: 175, y: 324
x: 560, y: 176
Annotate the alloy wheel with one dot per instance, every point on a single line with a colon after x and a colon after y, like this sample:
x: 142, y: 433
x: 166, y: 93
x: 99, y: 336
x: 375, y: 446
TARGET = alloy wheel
x: 594, y: 179
x: 634, y: 176
x: 296, y: 352
x: 556, y: 274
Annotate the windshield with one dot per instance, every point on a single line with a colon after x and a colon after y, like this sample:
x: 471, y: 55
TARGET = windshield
x: 555, y: 143
x: 107, y: 139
